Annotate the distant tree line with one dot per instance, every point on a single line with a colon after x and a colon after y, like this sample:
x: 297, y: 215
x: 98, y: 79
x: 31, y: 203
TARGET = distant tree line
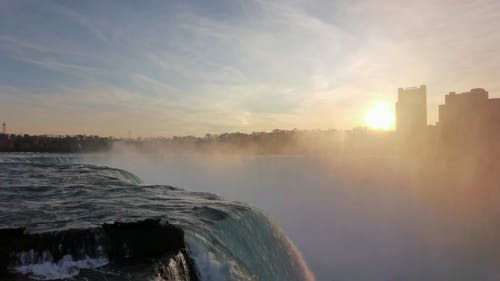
x: 295, y: 141
x: 50, y: 143
x: 359, y: 140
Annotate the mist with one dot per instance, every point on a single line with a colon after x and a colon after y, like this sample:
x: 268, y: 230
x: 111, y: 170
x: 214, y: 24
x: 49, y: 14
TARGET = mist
x: 354, y: 217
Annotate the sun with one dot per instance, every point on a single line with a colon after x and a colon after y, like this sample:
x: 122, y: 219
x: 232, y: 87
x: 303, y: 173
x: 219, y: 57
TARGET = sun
x: 380, y: 116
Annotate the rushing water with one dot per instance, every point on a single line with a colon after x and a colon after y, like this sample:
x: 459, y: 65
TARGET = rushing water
x: 55, y: 196
x: 351, y: 219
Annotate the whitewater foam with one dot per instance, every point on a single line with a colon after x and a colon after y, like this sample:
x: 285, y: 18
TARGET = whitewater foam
x: 214, y: 268
x: 46, y: 269
x: 176, y: 270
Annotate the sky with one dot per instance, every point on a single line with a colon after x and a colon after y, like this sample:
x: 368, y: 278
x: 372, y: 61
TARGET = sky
x: 164, y: 68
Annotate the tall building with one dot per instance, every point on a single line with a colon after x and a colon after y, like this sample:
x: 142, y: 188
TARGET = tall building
x: 411, y: 110
x: 4, y: 128
x: 470, y: 114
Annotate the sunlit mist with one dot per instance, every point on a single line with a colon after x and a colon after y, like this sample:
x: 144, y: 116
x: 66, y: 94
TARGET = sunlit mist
x: 380, y: 116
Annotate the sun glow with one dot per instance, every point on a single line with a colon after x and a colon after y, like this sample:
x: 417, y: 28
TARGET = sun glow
x: 380, y: 116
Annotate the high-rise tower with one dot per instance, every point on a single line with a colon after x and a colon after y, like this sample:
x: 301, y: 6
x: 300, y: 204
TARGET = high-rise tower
x: 4, y: 128
x: 411, y: 110
x: 470, y: 114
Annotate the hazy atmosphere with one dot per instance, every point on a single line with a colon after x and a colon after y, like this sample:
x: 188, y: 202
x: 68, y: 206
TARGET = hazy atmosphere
x: 163, y: 68
x: 249, y: 140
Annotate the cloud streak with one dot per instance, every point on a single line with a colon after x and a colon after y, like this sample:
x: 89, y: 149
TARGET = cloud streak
x: 192, y: 67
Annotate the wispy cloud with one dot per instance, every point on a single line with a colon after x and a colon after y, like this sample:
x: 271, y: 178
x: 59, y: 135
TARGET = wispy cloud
x: 79, y: 18
x: 196, y: 67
